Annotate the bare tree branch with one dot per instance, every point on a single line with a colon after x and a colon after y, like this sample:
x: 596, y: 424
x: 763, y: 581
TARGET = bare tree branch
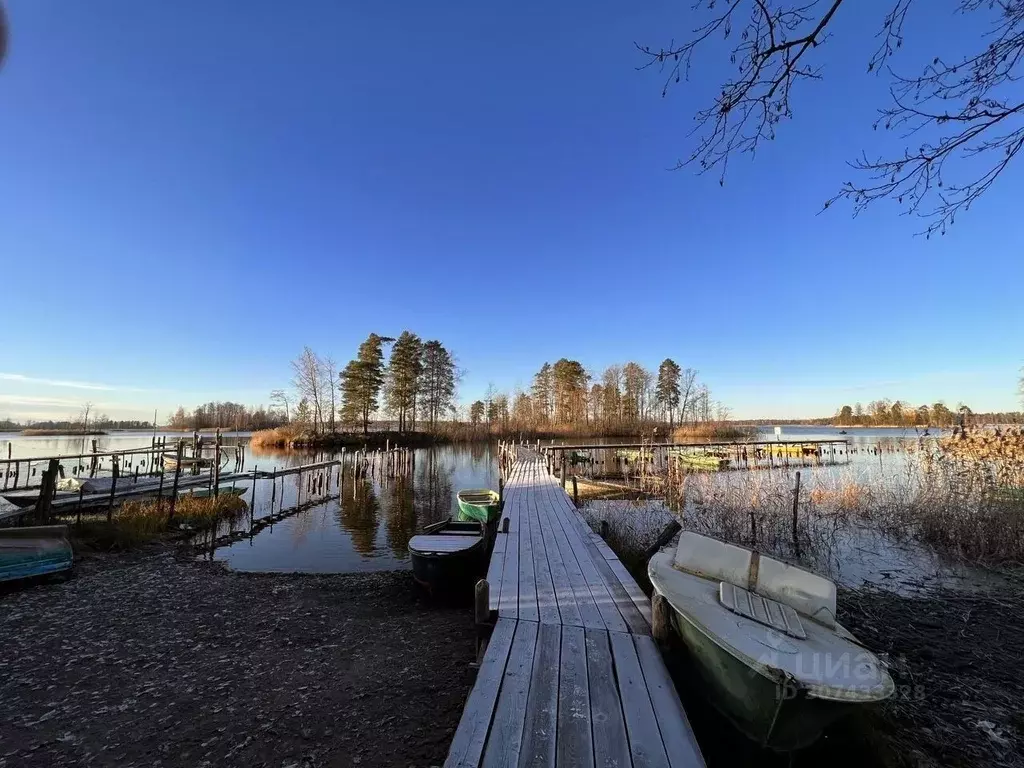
x: 960, y: 114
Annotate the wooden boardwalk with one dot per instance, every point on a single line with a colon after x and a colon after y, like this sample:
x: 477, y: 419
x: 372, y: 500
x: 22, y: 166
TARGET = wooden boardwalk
x: 571, y: 675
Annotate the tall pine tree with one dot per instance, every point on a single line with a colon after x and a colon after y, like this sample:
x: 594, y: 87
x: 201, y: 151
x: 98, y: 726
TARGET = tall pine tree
x: 361, y: 381
x: 403, y: 377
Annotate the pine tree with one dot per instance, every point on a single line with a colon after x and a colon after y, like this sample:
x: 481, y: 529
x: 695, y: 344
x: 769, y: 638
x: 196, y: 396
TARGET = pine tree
x: 569, y: 380
x: 543, y: 391
x: 634, y: 385
x: 437, y: 382
x: 403, y: 377
x: 476, y: 412
x: 361, y: 381
x: 667, y: 391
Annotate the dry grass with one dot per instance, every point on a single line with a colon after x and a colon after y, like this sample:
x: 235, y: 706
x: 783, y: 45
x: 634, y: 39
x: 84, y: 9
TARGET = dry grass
x: 136, y: 522
x: 713, y: 431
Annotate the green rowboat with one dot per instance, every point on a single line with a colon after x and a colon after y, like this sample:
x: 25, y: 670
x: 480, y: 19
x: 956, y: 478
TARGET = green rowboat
x: 482, y: 505
x: 203, y: 493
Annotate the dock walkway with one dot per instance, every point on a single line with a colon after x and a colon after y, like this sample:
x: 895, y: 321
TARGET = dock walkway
x: 571, y: 675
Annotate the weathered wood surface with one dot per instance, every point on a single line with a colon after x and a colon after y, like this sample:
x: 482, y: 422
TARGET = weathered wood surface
x: 571, y: 676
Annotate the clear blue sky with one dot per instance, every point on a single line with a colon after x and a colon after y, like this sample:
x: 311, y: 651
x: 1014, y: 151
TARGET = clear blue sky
x: 192, y: 191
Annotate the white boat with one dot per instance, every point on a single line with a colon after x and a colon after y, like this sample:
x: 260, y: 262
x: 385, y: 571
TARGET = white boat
x: 764, y: 638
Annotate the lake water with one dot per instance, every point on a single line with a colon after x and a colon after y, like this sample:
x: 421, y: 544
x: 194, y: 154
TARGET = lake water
x: 369, y: 526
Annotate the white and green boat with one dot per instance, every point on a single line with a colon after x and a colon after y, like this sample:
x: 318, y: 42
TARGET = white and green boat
x: 765, y: 642
x: 480, y: 504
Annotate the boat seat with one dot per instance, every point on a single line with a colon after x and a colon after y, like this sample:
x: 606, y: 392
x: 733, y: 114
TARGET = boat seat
x: 712, y: 559
x: 808, y: 593
x: 762, y: 610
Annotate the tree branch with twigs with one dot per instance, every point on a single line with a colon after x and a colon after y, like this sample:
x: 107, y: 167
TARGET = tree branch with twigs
x: 965, y: 116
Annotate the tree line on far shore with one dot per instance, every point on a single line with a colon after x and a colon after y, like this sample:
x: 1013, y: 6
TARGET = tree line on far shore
x: 898, y: 413
x: 625, y: 398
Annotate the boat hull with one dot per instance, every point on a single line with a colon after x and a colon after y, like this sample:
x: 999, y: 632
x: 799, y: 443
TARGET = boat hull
x: 34, y: 551
x: 771, y: 712
x: 486, y: 513
x: 448, y: 572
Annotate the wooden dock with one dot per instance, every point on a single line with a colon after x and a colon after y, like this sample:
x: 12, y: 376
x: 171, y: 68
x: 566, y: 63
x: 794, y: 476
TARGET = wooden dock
x: 571, y: 675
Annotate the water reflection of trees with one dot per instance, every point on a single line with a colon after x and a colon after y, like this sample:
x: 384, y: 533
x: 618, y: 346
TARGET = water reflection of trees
x: 400, y: 511
x: 433, y: 488
x: 357, y: 514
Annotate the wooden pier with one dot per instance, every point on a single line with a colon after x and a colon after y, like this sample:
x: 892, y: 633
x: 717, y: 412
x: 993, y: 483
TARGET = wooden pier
x: 571, y: 675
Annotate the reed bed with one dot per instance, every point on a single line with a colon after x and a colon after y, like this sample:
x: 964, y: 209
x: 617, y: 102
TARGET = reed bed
x: 713, y: 431
x: 138, y: 521
x: 963, y: 497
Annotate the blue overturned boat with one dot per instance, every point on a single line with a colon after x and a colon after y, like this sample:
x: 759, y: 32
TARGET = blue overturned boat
x: 38, y: 550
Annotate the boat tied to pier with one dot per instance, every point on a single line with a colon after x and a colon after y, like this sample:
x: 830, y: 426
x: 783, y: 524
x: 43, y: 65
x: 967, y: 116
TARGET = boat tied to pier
x: 763, y: 637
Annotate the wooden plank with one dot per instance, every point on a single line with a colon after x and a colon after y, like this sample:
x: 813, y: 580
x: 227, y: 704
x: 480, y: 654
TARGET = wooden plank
x: 528, y: 608
x: 644, y: 736
x: 470, y: 736
x: 508, y: 601
x: 628, y: 611
x: 494, y: 573
x: 598, y: 589
x: 542, y: 705
x: 568, y: 607
x: 636, y: 594
x: 590, y: 615
x: 546, y: 602
x: 575, y: 743
x: 506, y: 738
x: 676, y: 733
x: 611, y: 747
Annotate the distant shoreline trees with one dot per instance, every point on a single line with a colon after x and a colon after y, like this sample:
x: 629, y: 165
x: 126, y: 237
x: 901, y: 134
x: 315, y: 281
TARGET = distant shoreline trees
x: 898, y: 413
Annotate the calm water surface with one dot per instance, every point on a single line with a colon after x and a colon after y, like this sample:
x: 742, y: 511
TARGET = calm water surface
x: 369, y: 527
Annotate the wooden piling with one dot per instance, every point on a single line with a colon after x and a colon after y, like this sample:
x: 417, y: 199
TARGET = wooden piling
x: 180, y: 450
x: 661, y: 619
x: 575, y: 493
x: 796, y: 511
x: 113, y: 488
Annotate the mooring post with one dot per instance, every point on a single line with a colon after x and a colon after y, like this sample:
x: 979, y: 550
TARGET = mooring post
x: 605, y: 529
x: 504, y: 525
x: 177, y: 473
x: 255, y: 474
x: 78, y: 508
x: 482, y: 615
x: 216, y: 466
x: 575, y: 493
x: 501, y: 492
x: 563, y: 470
x: 113, y: 488
x: 661, y: 619
x: 796, y: 510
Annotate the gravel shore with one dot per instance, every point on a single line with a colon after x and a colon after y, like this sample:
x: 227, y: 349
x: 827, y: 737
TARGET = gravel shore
x: 150, y: 659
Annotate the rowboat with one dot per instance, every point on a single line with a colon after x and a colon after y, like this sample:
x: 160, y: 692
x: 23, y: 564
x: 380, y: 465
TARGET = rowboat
x: 706, y: 461
x: 34, y: 551
x: 482, y: 505
x: 448, y: 556
x: 764, y: 640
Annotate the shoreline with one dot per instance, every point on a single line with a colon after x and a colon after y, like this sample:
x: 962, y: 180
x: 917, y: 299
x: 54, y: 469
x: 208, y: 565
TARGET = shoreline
x: 231, y: 669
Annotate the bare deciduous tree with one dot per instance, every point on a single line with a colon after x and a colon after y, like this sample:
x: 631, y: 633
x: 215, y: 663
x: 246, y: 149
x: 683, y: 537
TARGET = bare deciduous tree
x: 963, y: 116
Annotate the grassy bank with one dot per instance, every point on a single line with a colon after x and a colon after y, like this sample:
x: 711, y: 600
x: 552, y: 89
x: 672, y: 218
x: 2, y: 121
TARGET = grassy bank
x: 137, y: 522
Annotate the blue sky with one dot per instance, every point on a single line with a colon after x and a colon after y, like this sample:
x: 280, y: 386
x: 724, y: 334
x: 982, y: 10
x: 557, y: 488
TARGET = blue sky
x: 192, y: 191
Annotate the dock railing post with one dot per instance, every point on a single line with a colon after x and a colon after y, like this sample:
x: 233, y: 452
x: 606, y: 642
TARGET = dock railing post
x: 563, y: 470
